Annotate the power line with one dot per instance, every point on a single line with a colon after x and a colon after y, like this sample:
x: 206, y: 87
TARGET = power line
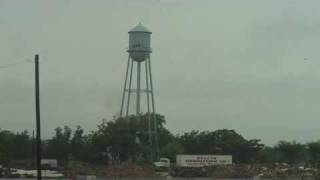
x: 15, y: 64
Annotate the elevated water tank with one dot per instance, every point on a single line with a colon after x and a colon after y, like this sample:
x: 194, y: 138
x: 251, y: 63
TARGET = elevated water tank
x: 139, y: 43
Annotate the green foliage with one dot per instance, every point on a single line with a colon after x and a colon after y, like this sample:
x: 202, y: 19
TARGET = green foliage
x: 127, y: 140
x: 269, y: 155
x: 291, y: 151
x: 221, y: 142
x: 14, y: 146
x: 59, y: 146
x: 171, y: 149
x: 77, y: 143
x: 313, y: 149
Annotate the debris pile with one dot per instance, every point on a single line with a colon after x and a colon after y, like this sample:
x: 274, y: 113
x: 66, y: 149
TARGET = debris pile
x: 110, y: 171
x: 233, y: 171
x: 129, y: 170
x: 124, y: 170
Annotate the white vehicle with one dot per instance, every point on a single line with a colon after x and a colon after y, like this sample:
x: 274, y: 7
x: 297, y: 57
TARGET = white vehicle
x: 163, y: 163
x: 52, y: 163
x: 33, y: 173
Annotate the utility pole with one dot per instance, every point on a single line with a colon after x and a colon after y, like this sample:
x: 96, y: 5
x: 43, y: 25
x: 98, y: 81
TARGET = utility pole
x: 37, y: 98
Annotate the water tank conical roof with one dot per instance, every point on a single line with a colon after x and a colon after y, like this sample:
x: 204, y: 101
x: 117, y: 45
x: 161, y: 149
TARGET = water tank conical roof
x: 140, y: 28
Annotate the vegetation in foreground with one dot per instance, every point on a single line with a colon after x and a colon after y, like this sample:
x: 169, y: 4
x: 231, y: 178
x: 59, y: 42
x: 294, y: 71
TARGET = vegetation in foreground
x: 125, y: 141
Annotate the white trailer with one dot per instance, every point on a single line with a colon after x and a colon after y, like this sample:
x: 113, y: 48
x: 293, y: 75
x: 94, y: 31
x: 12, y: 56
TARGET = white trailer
x: 52, y: 163
x: 187, y: 160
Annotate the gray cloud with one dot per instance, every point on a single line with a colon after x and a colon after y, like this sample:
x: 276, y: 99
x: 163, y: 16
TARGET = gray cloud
x: 247, y: 65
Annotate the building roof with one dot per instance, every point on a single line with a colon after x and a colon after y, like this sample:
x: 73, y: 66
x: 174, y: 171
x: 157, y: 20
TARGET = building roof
x: 140, y: 28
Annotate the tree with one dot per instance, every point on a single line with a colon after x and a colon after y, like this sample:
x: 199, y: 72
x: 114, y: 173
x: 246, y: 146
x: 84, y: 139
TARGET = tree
x: 190, y: 142
x: 77, y: 143
x: 269, y: 155
x: 59, y: 146
x: 221, y: 142
x: 290, y: 151
x: 14, y: 146
x: 22, y: 145
x: 171, y: 149
x: 126, y: 139
x: 313, y: 149
x: 6, y: 146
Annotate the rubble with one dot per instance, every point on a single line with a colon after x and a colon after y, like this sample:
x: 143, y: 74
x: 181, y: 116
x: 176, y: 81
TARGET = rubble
x: 110, y: 171
x: 130, y: 170
x: 123, y: 170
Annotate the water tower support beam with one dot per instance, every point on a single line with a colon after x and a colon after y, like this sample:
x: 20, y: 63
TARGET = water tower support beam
x: 125, y: 86
x: 148, y: 105
x: 129, y: 88
x: 138, y: 88
x: 155, y: 122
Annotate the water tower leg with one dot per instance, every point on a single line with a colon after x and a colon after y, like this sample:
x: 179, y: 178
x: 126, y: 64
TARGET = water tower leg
x: 129, y: 88
x: 155, y: 123
x: 148, y: 105
x: 124, y: 87
x: 138, y: 89
x: 151, y: 154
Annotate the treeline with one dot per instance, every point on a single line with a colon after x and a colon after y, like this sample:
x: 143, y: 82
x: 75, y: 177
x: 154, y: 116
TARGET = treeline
x: 126, y: 140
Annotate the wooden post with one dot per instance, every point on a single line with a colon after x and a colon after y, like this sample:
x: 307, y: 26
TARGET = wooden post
x: 37, y: 98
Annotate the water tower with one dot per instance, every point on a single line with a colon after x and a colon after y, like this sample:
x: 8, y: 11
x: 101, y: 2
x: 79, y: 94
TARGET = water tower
x: 139, y: 61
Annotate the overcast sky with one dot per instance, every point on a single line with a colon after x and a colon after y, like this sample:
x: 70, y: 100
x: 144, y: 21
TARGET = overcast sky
x: 246, y: 65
